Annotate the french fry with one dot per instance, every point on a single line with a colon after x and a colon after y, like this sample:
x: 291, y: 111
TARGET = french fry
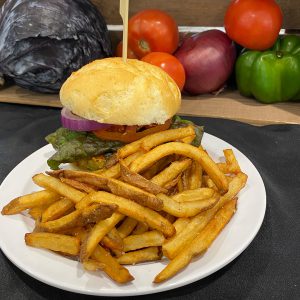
x: 96, y: 235
x: 150, y: 141
x: 180, y: 224
x: 114, y: 171
x: 138, y: 256
x: 131, y: 209
x: 194, y: 195
x: 57, y: 210
x: 200, y: 244
x: 162, y: 137
x: 158, y: 166
x: 180, y: 186
x: 171, y: 172
x: 209, y: 183
x: 89, y: 178
x: 197, y: 154
x: 146, y: 239
x: 136, y: 194
x: 84, y: 187
x: 187, y: 209
x: 82, y: 217
x: 140, y: 181
x: 127, y: 226
x: 111, y: 266
x: 57, y: 186
x: 231, y: 161
x: 113, y: 240
x: 52, y: 241
x: 93, y: 265
x: 141, y: 227
x: 174, y: 245
x: 34, y: 199
x: 37, y: 211
x: 195, y: 176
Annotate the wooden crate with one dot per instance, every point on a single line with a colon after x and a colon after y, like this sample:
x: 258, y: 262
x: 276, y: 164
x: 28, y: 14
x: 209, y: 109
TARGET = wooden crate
x: 191, y: 15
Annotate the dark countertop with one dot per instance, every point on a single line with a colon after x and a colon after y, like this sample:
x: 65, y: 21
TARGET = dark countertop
x: 268, y: 269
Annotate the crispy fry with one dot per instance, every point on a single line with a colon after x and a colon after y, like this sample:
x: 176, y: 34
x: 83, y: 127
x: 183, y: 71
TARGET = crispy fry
x: 89, y: 178
x: 231, y: 161
x: 127, y: 226
x: 150, y: 141
x: 171, y: 172
x: 57, y: 210
x: 140, y: 181
x: 136, y: 194
x: 111, y: 267
x: 172, y: 185
x: 93, y: 265
x: 114, y: 171
x: 113, y: 240
x: 209, y: 183
x: 187, y: 209
x: 174, y: 246
x: 194, y: 195
x: 188, y: 139
x: 37, y: 211
x: 180, y: 186
x: 138, y: 256
x: 197, y: 154
x: 22, y: 203
x: 97, y: 233
x: 162, y: 137
x: 59, y: 187
x: 141, y: 227
x: 90, y: 214
x: 131, y: 209
x: 195, y: 176
x: 84, y: 187
x: 158, y: 166
x: 180, y: 224
x: 146, y: 239
x: 201, y: 243
x: 56, y: 242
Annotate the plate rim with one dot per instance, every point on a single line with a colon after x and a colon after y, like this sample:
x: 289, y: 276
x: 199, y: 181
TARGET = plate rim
x: 154, y: 288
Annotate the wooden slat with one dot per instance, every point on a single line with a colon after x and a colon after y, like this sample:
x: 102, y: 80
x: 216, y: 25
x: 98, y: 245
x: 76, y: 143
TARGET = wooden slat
x: 192, y: 12
x: 228, y: 105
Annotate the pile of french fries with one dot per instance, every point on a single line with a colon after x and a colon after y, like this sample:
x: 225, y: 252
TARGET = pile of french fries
x: 159, y: 197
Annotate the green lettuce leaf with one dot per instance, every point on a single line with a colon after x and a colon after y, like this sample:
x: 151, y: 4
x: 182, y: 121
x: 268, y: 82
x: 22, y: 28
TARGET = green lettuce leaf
x: 72, y: 146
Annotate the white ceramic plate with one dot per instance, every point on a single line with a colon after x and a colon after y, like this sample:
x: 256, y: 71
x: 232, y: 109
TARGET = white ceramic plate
x: 69, y: 275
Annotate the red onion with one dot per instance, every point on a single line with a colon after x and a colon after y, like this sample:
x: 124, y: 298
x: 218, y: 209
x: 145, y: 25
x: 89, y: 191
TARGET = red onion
x: 74, y: 122
x: 208, y: 59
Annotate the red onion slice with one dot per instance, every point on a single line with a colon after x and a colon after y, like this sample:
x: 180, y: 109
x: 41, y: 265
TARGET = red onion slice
x: 74, y: 122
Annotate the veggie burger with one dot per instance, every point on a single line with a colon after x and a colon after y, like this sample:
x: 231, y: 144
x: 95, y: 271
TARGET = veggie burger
x: 108, y: 103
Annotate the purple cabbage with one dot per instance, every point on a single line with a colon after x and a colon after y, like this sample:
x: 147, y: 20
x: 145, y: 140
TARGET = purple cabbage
x: 43, y: 41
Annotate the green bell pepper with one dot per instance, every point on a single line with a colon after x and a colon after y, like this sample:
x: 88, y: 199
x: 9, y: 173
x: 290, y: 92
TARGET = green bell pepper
x: 271, y: 76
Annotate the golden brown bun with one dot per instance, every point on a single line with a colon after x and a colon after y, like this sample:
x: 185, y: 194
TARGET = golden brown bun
x: 111, y: 91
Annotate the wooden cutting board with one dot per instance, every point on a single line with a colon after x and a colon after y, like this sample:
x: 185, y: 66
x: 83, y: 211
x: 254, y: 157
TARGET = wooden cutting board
x: 228, y: 105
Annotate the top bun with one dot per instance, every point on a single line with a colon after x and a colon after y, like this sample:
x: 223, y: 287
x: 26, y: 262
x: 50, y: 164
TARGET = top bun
x: 111, y: 91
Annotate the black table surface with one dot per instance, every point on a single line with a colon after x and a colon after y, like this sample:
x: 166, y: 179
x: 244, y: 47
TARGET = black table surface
x: 268, y: 269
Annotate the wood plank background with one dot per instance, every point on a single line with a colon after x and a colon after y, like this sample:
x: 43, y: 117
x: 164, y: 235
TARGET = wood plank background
x: 192, y: 12
x: 227, y: 105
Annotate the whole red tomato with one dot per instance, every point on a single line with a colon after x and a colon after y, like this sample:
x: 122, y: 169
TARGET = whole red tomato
x: 254, y: 24
x: 119, y: 51
x: 169, y: 64
x: 152, y: 31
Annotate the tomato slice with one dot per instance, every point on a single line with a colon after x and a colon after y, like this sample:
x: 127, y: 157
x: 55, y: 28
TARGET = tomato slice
x: 129, y: 134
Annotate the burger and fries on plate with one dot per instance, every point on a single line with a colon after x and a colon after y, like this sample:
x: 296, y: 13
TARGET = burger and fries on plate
x: 148, y: 190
